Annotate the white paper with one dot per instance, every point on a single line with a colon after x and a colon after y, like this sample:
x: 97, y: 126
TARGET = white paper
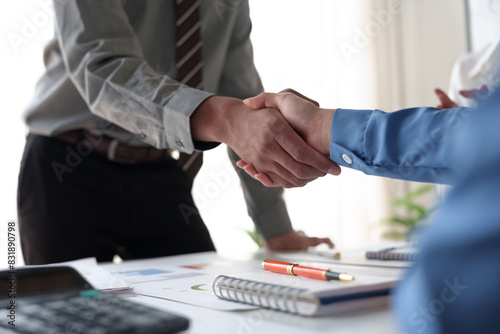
x: 184, y: 278
x: 193, y: 290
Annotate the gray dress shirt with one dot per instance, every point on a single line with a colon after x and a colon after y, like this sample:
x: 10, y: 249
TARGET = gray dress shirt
x: 111, y: 68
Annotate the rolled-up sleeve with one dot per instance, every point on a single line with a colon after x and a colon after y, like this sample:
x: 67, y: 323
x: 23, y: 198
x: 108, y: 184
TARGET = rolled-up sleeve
x: 104, y: 60
x: 413, y: 144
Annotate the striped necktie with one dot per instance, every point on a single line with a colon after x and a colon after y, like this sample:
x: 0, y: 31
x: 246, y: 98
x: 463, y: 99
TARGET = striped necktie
x: 189, y: 64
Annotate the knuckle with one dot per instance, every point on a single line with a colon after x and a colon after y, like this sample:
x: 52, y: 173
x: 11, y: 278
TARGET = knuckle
x: 288, y: 92
x: 275, y: 126
x: 264, y: 95
x: 301, y: 172
x: 298, y: 183
x: 299, y: 153
x: 323, y: 166
x: 301, y: 184
x: 273, y: 149
x: 284, y: 183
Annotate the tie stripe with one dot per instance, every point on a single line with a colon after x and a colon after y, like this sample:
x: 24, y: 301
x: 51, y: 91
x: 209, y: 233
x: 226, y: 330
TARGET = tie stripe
x: 194, y: 74
x: 190, y: 33
x: 188, y: 43
x: 186, y: 14
x: 189, y: 54
x: 189, y: 64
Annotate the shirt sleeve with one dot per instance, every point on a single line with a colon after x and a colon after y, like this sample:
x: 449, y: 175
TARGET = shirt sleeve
x: 104, y: 60
x: 239, y: 76
x: 453, y: 285
x: 413, y: 144
x: 265, y: 206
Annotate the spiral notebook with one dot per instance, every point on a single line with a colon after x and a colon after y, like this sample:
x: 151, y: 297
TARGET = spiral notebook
x: 393, y: 254
x: 304, y: 296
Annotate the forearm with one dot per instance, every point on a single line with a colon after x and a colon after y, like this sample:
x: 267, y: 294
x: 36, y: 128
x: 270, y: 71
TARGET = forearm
x: 212, y: 120
x: 104, y: 59
x: 412, y: 144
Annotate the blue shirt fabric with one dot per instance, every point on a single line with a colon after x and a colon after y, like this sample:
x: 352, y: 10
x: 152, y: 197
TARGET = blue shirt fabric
x: 414, y: 144
x: 453, y: 286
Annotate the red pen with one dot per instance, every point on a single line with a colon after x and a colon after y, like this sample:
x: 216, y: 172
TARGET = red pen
x: 296, y: 270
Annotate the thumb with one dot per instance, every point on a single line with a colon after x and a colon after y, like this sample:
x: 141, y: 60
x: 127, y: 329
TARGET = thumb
x: 263, y: 100
x: 289, y: 90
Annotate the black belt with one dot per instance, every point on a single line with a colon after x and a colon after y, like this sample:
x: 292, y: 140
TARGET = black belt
x: 122, y: 153
x: 113, y: 149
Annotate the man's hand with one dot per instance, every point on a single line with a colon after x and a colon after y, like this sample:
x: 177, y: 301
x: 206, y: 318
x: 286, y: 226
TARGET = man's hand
x: 476, y: 94
x: 445, y: 101
x: 263, y: 138
x: 294, y: 241
x: 473, y: 94
x: 303, y: 114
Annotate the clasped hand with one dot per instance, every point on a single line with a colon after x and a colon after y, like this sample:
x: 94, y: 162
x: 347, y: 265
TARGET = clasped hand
x: 275, y: 133
x: 306, y: 118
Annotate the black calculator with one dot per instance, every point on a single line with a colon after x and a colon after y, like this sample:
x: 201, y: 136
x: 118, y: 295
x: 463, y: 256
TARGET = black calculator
x: 58, y: 300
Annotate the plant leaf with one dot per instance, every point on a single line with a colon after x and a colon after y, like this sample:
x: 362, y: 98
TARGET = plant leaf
x: 420, y: 191
x: 256, y: 238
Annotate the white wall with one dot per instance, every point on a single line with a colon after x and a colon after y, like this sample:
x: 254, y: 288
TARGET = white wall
x: 434, y: 35
x: 484, y: 21
x: 20, y: 66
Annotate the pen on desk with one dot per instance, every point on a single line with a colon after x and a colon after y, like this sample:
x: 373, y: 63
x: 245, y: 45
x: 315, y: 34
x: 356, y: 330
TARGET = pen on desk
x: 296, y: 270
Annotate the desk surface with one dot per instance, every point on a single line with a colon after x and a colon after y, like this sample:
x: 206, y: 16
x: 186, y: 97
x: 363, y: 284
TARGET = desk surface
x: 207, y: 321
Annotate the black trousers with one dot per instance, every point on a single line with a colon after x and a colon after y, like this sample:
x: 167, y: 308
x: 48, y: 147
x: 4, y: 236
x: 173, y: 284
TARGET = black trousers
x: 74, y: 204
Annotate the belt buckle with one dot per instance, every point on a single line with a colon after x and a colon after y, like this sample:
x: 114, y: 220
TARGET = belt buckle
x: 111, y: 153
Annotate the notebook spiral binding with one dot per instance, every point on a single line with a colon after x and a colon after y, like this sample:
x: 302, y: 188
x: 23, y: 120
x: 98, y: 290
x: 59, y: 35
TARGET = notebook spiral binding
x: 272, y: 296
x: 392, y: 255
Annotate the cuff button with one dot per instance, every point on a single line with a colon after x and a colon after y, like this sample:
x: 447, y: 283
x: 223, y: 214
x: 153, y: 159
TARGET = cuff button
x: 347, y: 158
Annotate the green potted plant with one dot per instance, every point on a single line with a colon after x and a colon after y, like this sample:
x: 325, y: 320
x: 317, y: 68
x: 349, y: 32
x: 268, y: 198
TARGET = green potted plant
x: 416, y: 214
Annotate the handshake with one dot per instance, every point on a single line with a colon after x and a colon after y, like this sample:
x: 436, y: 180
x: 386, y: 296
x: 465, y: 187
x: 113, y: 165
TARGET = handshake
x: 282, y: 139
x: 312, y: 124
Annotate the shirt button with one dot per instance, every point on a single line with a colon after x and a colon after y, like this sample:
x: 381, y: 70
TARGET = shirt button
x: 347, y: 158
x: 143, y: 135
x: 176, y: 154
x: 180, y: 144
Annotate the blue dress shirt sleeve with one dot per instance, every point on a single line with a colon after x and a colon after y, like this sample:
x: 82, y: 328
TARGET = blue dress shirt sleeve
x: 411, y: 144
x: 454, y: 285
